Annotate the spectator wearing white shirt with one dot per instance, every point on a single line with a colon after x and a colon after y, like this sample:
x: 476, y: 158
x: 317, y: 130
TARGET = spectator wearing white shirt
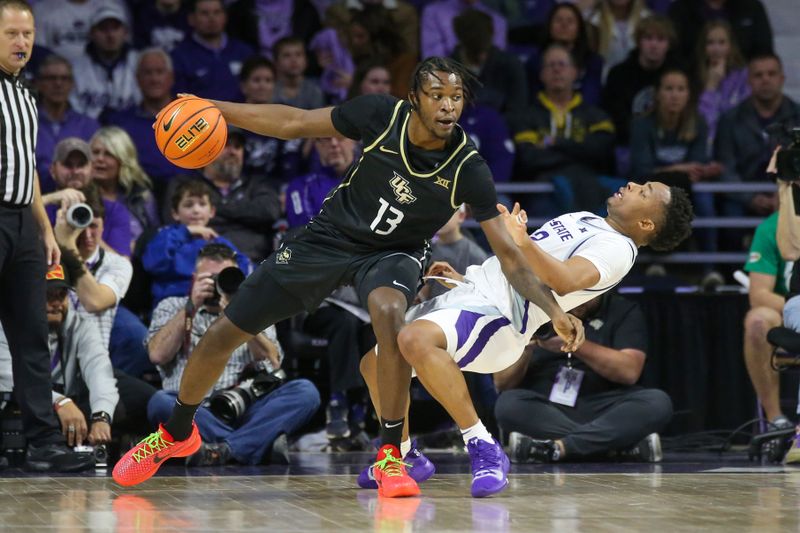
x: 105, y: 76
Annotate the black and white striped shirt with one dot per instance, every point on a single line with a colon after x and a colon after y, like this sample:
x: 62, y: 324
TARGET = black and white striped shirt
x: 18, y: 129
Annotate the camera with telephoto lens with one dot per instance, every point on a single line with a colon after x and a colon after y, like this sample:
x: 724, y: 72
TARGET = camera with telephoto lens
x: 229, y: 405
x: 789, y: 158
x: 226, y: 282
x: 79, y: 215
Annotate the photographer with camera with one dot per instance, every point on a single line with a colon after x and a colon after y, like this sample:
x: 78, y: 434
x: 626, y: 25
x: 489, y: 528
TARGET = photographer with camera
x: 102, y: 278
x: 769, y: 272
x: 249, y: 409
x: 89, y: 398
x: 785, y: 166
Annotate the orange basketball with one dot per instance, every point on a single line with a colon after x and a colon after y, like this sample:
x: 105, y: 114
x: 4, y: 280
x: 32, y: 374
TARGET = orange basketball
x: 190, y: 132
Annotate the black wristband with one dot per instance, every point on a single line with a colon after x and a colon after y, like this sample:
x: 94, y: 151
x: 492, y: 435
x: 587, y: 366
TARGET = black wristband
x: 73, y: 265
x: 101, y: 416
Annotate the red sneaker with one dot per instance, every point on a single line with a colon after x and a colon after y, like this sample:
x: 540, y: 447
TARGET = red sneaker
x: 144, y: 459
x: 391, y: 476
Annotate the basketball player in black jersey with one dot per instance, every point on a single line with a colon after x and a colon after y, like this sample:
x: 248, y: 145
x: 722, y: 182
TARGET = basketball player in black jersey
x: 372, y: 232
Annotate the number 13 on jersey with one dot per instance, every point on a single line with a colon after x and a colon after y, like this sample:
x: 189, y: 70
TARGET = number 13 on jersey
x: 392, y: 222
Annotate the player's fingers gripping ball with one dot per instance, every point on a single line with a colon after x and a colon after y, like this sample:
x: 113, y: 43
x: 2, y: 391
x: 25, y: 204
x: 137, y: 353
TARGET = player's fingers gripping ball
x: 190, y: 132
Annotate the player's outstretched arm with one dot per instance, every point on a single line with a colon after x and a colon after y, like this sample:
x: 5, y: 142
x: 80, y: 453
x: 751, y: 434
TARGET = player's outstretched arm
x: 564, y: 277
x: 522, y: 278
x: 281, y: 121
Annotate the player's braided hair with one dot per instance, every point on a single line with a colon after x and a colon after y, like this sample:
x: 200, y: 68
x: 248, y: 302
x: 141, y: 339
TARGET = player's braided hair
x: 677, y: 222
x: 434, y: 64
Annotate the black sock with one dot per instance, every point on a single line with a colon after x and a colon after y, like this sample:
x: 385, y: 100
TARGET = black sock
x: 392, y: 431
x: 179, y: 424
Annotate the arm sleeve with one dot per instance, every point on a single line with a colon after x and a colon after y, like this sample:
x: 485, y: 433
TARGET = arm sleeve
x: 96, y: 369
x: 365, y: 117
x: 611, y: 255
x: 476, y: 188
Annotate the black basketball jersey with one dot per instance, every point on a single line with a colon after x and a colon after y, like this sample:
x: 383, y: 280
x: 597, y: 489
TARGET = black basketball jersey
x: 397, y: 195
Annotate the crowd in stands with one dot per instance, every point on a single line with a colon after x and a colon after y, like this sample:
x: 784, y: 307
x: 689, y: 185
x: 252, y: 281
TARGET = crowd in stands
x: 584, y: 95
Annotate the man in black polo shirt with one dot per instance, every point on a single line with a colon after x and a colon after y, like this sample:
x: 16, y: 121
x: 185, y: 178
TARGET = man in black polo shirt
x: 608, y: 413
x: 24, y: 228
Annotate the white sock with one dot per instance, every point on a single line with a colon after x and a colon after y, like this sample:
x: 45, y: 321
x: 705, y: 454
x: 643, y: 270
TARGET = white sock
x: 405, y: 447
x: 478, y: 430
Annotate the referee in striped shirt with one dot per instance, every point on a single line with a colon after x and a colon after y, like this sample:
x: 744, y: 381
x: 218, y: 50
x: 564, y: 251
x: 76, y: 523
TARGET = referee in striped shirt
x: 27, y: 246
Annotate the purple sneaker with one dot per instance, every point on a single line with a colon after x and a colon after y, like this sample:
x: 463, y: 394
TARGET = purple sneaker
x: 489, y: 467
x: 420, y: 468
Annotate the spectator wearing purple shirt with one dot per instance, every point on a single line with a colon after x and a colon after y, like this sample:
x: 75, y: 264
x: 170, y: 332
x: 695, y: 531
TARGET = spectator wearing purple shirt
x: 57, y: 119
x: 161, y: 23
x: 120, y: 178
x: 208, y: 62
x: 305, y: 194
x: 437, y: 35
x: 721, y: 73
x: 155, y: 78
x: 71, y: 171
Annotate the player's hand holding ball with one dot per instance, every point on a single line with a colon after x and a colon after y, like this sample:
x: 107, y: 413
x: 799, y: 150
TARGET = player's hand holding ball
x: 190, y: 131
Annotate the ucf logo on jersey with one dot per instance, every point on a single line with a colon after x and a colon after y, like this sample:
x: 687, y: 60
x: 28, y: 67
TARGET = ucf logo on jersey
x: 283, y: 257
x: 401, y: 189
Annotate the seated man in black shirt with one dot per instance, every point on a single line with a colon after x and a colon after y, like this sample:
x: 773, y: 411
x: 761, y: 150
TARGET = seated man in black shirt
x: 609, y: 412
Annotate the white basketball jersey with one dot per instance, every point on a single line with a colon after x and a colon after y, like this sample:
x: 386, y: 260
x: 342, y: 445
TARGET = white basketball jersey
x: 584, y: 234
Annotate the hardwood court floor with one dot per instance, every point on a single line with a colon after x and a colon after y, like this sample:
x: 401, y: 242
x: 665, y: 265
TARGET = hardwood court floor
x: 317, y: 493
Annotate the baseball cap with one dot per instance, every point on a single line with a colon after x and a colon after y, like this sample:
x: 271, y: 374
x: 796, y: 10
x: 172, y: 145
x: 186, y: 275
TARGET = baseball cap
x: 108, y: 11
x: 57, y: 277
x: 69, y: 145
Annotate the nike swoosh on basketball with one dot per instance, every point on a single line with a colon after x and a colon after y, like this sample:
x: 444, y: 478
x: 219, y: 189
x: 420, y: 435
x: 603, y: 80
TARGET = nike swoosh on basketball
x: 394, y: 282
x: 387, y: 150
x: 168, y: 124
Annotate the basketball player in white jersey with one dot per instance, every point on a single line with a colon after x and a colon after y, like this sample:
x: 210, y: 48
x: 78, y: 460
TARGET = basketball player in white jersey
x: 482, y: 324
